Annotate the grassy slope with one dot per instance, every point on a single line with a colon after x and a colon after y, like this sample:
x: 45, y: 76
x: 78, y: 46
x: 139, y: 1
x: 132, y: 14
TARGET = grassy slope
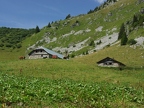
x: 122, y: 11
x: 80, y: 67
x: 84, y: 68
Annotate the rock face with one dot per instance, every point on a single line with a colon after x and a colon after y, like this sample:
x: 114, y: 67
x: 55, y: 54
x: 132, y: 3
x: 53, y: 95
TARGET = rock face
x: 107, y: 40
x: 140, y: 41
x: 99, y: 29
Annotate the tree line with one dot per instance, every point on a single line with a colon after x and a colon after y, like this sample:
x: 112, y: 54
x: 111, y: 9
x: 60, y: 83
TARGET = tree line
x: 13, y: 37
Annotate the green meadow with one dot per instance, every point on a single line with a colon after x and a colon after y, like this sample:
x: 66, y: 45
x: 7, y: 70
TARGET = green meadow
x: 76, y: 82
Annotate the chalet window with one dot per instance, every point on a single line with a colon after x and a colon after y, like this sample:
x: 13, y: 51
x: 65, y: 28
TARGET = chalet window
x: 108, y: 63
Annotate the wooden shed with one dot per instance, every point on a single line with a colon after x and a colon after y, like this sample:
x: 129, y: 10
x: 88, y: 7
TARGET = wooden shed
x: 110, y: 62
x: 42, y: 52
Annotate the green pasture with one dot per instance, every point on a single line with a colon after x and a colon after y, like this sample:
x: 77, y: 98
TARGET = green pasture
x: 82, y: 68
x: 69, y: 83
x: 77, y: 82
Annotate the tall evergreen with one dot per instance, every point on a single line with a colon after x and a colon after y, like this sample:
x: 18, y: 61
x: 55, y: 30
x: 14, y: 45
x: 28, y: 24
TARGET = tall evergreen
x: 37, y: 29
x: 89, y: 12
x: 49, y: 25
x: 68, y: 16
x: 141, y: 20
x: 121, y: 32
x: 135, y: 21
x: 124, y: 39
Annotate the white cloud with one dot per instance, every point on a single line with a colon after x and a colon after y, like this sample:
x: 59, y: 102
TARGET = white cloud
x: 100, y: 1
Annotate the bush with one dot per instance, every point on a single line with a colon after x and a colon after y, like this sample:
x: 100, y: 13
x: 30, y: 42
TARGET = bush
x: 8, y: 45
x: 132, y: 42
x: 73, y: 55
x: 98, y: 43
x: 87, y: 52
x: 92, y: 43
x: 1, y: 45
x: 18, y: 45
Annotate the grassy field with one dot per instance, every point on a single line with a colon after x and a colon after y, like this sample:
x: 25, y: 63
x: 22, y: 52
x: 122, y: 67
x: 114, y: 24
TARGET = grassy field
x: 77, y: 82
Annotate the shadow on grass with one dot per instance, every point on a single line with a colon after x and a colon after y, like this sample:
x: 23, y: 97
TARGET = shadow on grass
x: 136, y: 68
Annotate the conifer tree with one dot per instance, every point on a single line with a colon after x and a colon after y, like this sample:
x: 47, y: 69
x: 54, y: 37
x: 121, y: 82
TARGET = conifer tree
x: 135, y: 20
x: 68, y: 16
x: 124, y: 39
x: 121, y: 32
x: 37, y: 29
x: 49, y: 25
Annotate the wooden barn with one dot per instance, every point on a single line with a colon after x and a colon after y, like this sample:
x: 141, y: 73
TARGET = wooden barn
x: 109, y: 62
x: 42, y: 52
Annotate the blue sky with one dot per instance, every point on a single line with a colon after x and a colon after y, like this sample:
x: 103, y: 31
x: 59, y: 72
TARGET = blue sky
x: 32, y: 13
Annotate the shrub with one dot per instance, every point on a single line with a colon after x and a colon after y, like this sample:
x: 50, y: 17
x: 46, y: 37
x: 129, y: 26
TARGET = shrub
x: 87, y: 52
x: 98, y: 43
x: 8, y: 45
x: 18, y: 45
x: 1, y: 45
x: 92, y: 43
x: 132, y: 42
x: 94, y: 50
x: 73, y: 55
x: 74, y: 45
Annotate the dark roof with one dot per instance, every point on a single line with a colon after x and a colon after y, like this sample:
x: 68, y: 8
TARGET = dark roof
x: 110, y: 59
x: 49, y: 52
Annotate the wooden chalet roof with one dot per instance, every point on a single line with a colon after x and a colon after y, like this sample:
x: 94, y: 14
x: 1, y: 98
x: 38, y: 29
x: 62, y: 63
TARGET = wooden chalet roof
x: 110, y: 59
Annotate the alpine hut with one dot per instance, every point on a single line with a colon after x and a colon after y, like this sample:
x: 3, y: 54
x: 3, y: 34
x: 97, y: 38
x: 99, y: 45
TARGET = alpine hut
x: 42, y: 52
x: 109, y: 62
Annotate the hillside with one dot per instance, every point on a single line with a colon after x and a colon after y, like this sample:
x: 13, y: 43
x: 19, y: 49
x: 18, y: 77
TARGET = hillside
x: 85, y: 33
x: 88, y: 33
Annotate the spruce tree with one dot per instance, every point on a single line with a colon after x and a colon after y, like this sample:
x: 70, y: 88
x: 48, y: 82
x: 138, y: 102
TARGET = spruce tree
x: 121, y: 32
x: 135, y: 21
x: 68, y: 16
x: 49, y: 25
x: 37, y: 29
x: 124, y: 39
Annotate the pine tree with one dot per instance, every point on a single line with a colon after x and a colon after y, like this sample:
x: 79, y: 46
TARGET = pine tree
x: 68, y: 16
x: 121, y: 32
x: 141, y: 20
x: 49, y: 25
x: 124, y: 39
x: 96, y: 9
x: 37, y: 29
x: 135, y: 20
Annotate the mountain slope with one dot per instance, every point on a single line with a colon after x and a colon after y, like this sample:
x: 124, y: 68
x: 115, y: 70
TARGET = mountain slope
x: 87, y: 33
x: 76, y: 33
